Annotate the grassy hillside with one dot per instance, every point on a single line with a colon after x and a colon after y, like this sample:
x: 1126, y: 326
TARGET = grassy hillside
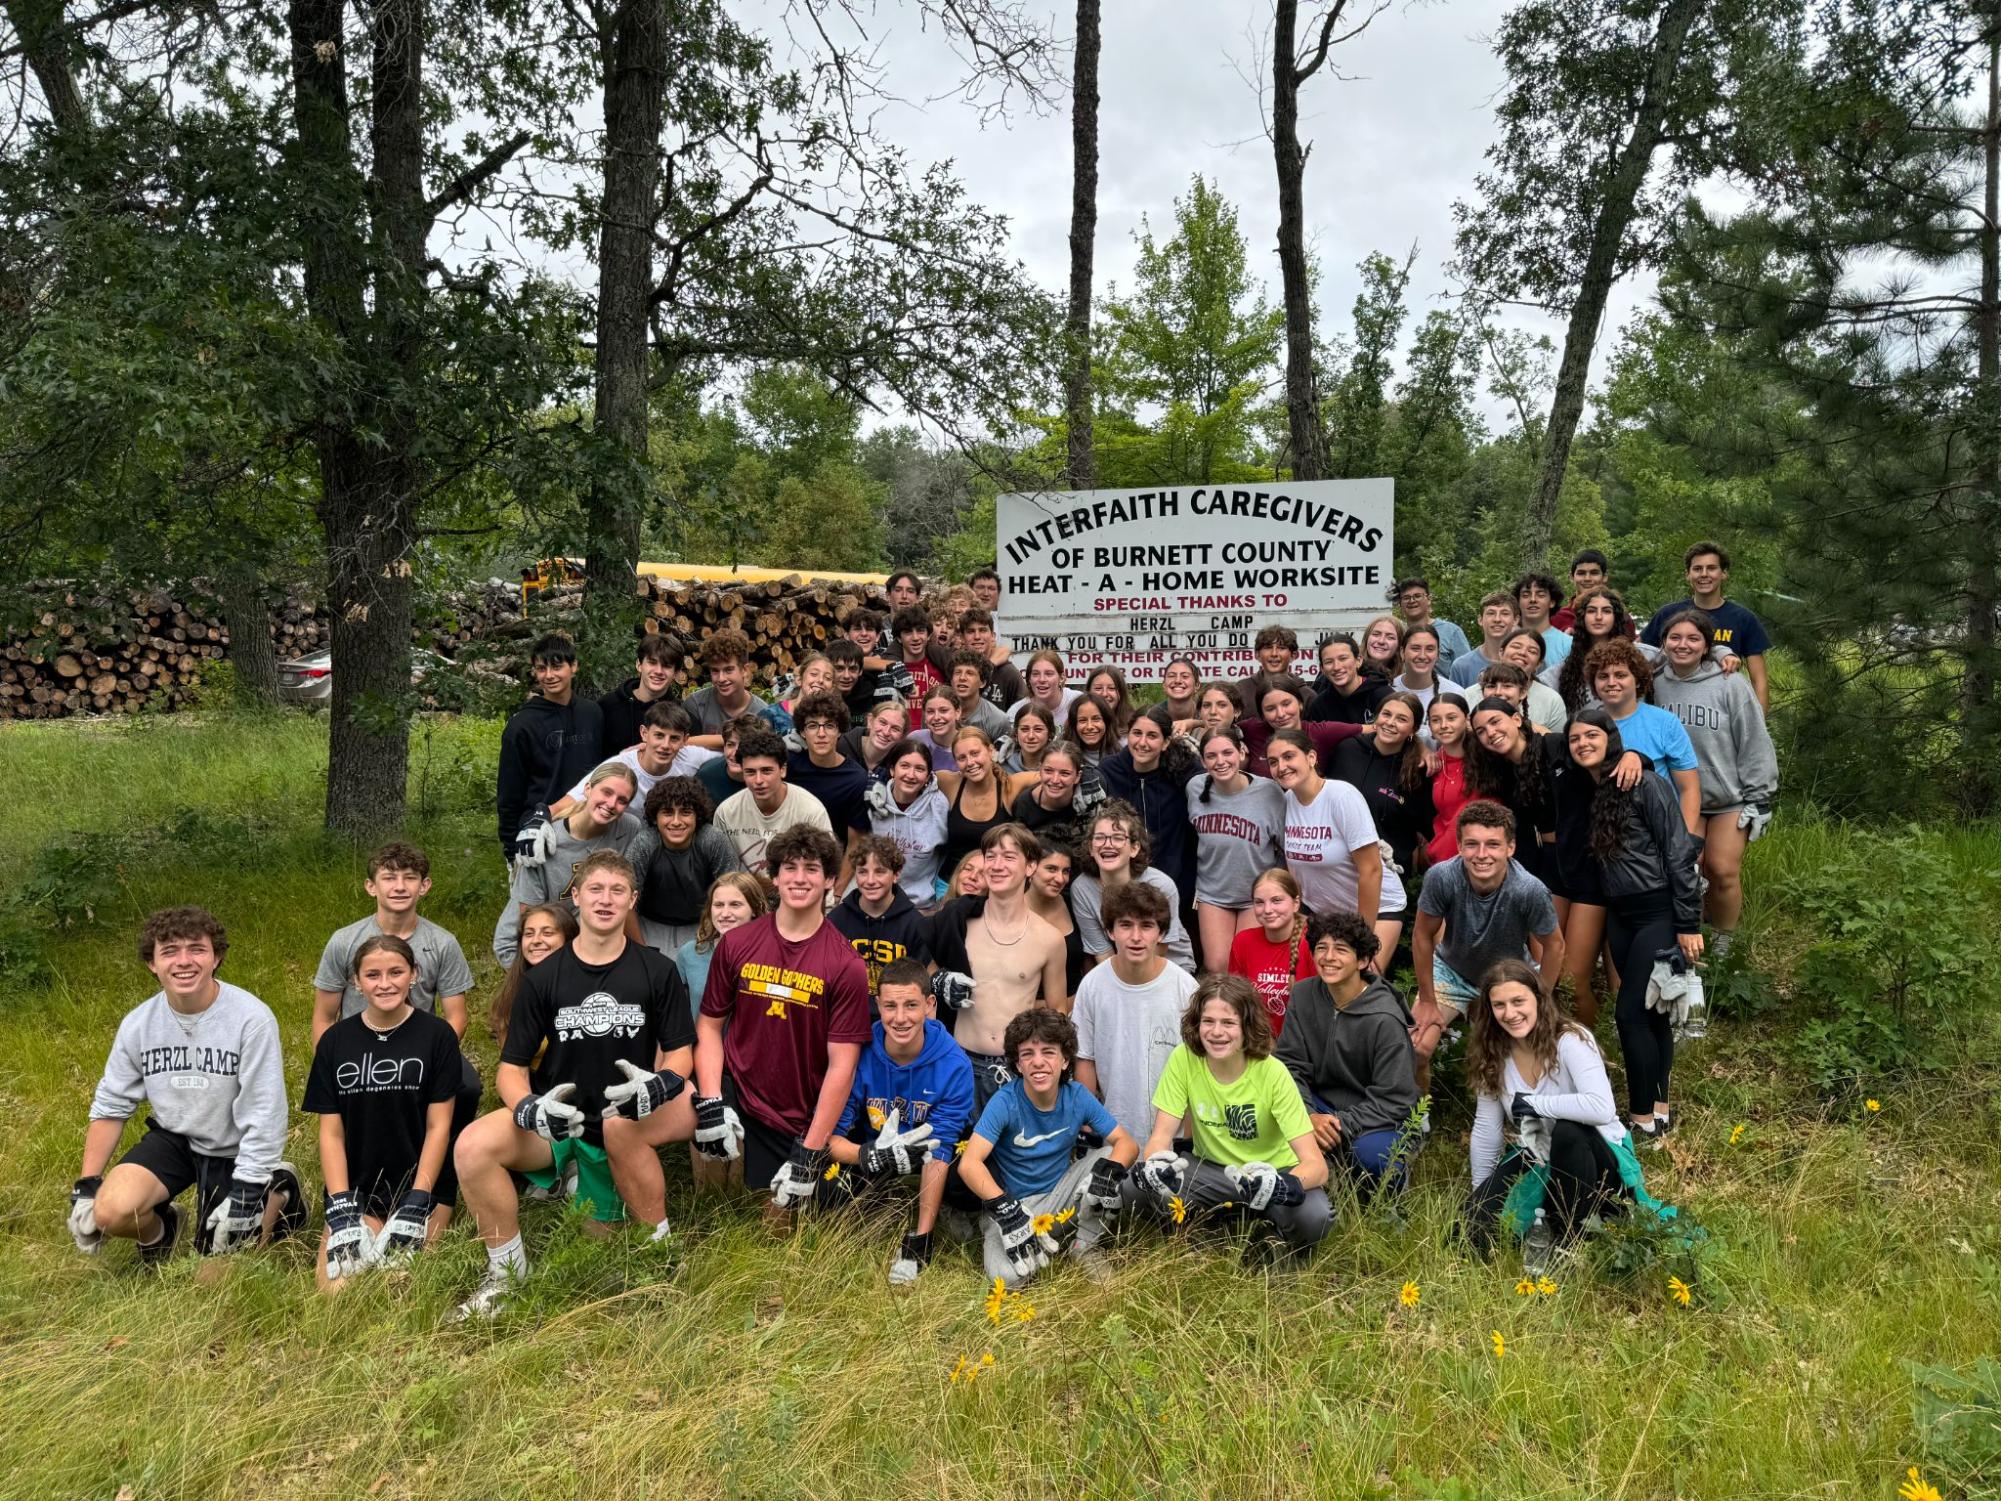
x: 1854, y: 1262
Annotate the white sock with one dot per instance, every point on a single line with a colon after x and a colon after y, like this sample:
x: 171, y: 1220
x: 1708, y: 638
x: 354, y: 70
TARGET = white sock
x: 507, y: 1257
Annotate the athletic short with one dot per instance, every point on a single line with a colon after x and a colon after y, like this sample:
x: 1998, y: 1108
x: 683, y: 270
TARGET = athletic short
x: 1584, y: 891
x: 765, y: 1147
x: 168, y: 1156
x: 1451, y: 988
x: 595, y: 1189
x: 991, y: 1074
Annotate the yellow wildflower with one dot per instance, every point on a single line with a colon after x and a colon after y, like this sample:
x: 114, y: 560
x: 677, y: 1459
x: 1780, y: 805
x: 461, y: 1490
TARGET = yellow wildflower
x: 1546, y: 1286
x: 1525, y: 1288
x: 1500, y: 1345
x: 986, y: 1360
x: 996, y: 1296
x: 959, y: 1150
x: 1736, y: 1133
x: 1064, y: 1216
x: 833, y: 1171
x: 1409, y: 1295
x: 1042, y: 1224
x: 1679, y: 1291
x: 1872, y: 1106
x: 1024, y: 1313
x: 1177, y: 1209
x: 959, y: 1371
x: 1917, y: 1488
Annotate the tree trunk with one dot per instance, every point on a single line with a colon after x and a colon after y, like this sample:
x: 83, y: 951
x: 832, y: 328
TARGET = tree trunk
x: 368, y: 479
x: 1083, y: 241
x: 1587, y: 313
x: 1302, y: 396
x: 252, y: 657
x: 1977, y: 686
x: 635, y: 87
x: 39, y: 24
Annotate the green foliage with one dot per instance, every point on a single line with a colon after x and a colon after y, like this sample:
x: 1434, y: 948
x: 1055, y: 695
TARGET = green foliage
x: 1957, y: 1413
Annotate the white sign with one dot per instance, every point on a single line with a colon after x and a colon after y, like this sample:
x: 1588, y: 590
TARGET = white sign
x: 1135, y: 578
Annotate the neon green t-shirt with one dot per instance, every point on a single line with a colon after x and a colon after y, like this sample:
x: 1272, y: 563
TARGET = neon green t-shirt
x: 1255, y: 1119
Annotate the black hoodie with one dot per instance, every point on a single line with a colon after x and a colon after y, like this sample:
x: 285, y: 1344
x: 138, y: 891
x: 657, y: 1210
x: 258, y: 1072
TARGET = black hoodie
x: 900, y: 933
x: 1357, y: 1063
x: 623, y: 709
x: 545, y: 750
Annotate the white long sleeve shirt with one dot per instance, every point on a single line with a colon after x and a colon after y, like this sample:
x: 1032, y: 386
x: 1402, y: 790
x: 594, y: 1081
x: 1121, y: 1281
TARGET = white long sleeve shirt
x: 1577, y: 1089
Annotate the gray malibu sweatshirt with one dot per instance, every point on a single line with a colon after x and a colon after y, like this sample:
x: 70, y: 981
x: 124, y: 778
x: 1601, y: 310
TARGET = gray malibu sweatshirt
x: 1733, y: 749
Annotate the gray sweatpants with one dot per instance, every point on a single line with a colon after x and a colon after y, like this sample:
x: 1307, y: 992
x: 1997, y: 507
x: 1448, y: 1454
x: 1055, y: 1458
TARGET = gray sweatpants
x: 1068, y: 1193
x: 1206, y: 1188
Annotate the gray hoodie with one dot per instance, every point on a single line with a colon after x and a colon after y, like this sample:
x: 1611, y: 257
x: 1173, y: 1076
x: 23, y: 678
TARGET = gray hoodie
x: 1356, y: 1063
x: 1733, y: 750
x: 216, y: 1077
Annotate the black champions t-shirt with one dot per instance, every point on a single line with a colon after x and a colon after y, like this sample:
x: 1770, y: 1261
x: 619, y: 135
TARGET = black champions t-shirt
x: 592, y: 1015
x: 381, y: 1084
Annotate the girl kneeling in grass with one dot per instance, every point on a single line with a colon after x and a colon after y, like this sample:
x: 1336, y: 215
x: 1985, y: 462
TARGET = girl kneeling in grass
x: 1253, y: 1145
x: 383, y: 1085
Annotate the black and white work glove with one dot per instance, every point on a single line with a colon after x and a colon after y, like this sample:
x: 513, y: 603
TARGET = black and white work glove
x: 1754, y: 819
x: 1090, y: 793
x: 794, y: 741
x: 911, y: 1259
x: 83, y: 1214
x: 718, y: 1131
x: 350, y: 1248
x: 952, y: 989
x: 642, y: 1093
x: 896, y: 1153
x: 879, y: 800
x: 551, y: 1116
x: 1261, y: 1185
x: 896, y: 681
x: 239, y: 1218
x: 1521, y: 1109
x: 1027, y: 1251
x: 1162, y: 1175
x: 798, y: 1176
x: 406, y: 1230
x: 529, y: 849
x: 1102, y: 1192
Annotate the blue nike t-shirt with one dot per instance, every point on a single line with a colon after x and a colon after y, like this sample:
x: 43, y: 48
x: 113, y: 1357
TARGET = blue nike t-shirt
x: 1032, y: 1148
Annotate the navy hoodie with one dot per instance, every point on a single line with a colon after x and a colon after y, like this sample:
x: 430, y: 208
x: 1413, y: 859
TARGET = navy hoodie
x: 1162, y: 799
x: 900, y: 933
x: 545, y: 750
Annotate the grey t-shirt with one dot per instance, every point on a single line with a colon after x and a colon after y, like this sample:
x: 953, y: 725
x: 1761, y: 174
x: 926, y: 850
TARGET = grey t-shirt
x: 551, y: 879
x: 1482, y: 929
x: 1087, y: 898
x: 1129, y: 1031
x: 1238, y: 837
x: 441, y: 965
x: 711, y: 716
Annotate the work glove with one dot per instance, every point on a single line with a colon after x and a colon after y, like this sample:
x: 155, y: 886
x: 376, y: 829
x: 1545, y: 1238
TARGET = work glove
x: 350, y: 1248
x: 551, y: 1116
x: 529, y: 849
x: 83, y: 1215
x: 406, y: 1230
x: 1521, y: 1109
x: 895, y: 681
x: 1027, y: 1251
x: 642, y: 1093
x: 1090, y: 793
x: 798, y: 1177
x: 718, y: 1132
x: 879, y: 800
x: 1102, y: 1192
x: 1261, y: 1185
x: 896, y: 1153
x: 952, y: 989
x: 1754, y: 819
x: 239, y: 1218
x: 794, y: 741
x: 911, y: 1258
x: 1162, y: 1175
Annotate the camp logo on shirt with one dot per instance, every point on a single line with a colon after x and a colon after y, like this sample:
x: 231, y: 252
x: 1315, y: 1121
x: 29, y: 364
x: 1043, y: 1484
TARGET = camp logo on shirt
x: 780, y: 987
x: 1241, y: 1121
x: 599, y: 1014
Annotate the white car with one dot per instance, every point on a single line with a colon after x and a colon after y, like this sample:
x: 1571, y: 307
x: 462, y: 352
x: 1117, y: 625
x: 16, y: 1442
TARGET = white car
x: 309, y: 679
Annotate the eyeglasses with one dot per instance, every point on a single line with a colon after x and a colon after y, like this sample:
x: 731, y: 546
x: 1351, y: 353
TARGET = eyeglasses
x: 1108, y: 839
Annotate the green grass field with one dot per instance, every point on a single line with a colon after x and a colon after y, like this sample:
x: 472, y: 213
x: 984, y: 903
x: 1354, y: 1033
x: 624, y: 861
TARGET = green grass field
x: 1855, y: 1262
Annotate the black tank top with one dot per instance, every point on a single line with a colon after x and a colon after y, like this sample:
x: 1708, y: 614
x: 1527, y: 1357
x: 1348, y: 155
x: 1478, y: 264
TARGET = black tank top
x: 963, y: 834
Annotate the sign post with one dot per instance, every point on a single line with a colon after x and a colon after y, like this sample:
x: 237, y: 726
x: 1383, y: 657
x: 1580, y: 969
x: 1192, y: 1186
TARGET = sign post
x: 1135, y: 578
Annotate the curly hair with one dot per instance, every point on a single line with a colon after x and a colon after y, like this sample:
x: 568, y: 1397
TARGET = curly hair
x: 182, y: 923
x: 1241, y: 996
x: 1040, y: 1024
x: 1619, y: 652
x: 1124, y: 816
x: 1488, y: 1046
x: 1570, y: 680
x: 679, y: 795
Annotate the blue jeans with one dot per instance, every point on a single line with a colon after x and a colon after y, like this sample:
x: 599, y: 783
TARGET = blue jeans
x: 1369, y: 1159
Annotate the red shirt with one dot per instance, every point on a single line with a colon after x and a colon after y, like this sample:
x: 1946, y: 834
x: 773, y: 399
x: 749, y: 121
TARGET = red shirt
x: 1272, y: 968
x: 1448, y: 796
x: 927, y: 676
x: 1325, y: 735
x: 785, y: 1002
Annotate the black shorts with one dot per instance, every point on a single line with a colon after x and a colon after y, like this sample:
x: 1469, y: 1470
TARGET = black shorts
x: 1580, y: 887
x: 765, y: 1148
x: 168, y: 1156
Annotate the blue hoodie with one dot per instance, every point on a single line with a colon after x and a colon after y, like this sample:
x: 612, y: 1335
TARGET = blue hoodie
x: 935, y: 1086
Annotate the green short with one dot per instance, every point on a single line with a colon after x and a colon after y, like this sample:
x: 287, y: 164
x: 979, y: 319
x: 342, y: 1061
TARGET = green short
x: 595, y: 1190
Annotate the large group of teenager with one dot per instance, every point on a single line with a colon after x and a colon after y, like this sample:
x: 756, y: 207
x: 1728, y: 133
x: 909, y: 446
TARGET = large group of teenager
x: 1003, y: 955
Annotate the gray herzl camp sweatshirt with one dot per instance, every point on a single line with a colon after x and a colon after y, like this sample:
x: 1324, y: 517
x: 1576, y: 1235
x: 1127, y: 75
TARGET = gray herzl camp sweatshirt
x: 1733, y: 749
x: 217, y: 1078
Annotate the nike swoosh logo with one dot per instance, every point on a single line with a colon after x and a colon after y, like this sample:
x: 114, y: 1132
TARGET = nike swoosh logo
x: 1030, y: 1141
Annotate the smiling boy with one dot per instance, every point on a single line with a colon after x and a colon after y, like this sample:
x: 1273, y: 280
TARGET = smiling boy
x: 1128, y: 1011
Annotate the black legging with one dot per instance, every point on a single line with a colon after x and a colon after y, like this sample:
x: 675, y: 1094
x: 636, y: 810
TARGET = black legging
x: 1583, y: 1175
x: 1637, y: 928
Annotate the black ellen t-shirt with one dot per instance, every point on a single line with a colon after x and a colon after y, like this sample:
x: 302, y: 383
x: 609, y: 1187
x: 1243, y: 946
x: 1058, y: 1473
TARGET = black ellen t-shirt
x: 381, y: 1084
x: 592, y: 1015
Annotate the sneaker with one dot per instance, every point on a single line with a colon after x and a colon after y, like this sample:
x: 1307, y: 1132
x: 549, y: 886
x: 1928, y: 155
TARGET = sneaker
x: 1664, y: 1123
x: 1647, y: 1135
x: 486, y: 1299
x: 285, y: 1186
x: 1093, y: 1263
x: 152, y: 1256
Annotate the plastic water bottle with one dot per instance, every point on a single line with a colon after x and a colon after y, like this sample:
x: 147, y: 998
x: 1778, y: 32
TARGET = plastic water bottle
x: 1538, y: 1246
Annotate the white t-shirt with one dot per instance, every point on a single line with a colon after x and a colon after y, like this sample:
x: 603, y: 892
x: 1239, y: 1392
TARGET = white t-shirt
x: 687, y: 761
x: 1129, y: 1032
x: 740, y: 818
x: 1320, y: 838
x: 1087, y: 897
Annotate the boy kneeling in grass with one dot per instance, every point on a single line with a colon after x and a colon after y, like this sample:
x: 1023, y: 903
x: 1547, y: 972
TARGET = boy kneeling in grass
x: 1253, y: 1144
x: 911, y: 1103
x: 1019, y: 1161
x: 594, y: 1073
x: 203, y: 1057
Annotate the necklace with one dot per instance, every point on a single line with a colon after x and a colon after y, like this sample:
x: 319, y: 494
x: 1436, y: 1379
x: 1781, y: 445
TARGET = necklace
x: 1008, y: 943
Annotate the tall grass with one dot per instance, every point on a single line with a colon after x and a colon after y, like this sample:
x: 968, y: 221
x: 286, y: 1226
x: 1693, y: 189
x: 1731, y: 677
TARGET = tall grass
x: 1847, y: 1247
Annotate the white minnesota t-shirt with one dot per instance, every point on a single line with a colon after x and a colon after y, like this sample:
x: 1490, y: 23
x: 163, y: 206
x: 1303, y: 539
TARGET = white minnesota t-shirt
x: 1320, y: 837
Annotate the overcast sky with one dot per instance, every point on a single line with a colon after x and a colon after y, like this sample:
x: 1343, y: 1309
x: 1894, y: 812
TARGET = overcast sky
x: 1395, y: 139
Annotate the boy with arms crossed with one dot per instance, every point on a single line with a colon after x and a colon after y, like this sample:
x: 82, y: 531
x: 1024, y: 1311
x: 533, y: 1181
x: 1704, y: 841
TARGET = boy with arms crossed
x: 593, y: 1074
x: 204, y: 1058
